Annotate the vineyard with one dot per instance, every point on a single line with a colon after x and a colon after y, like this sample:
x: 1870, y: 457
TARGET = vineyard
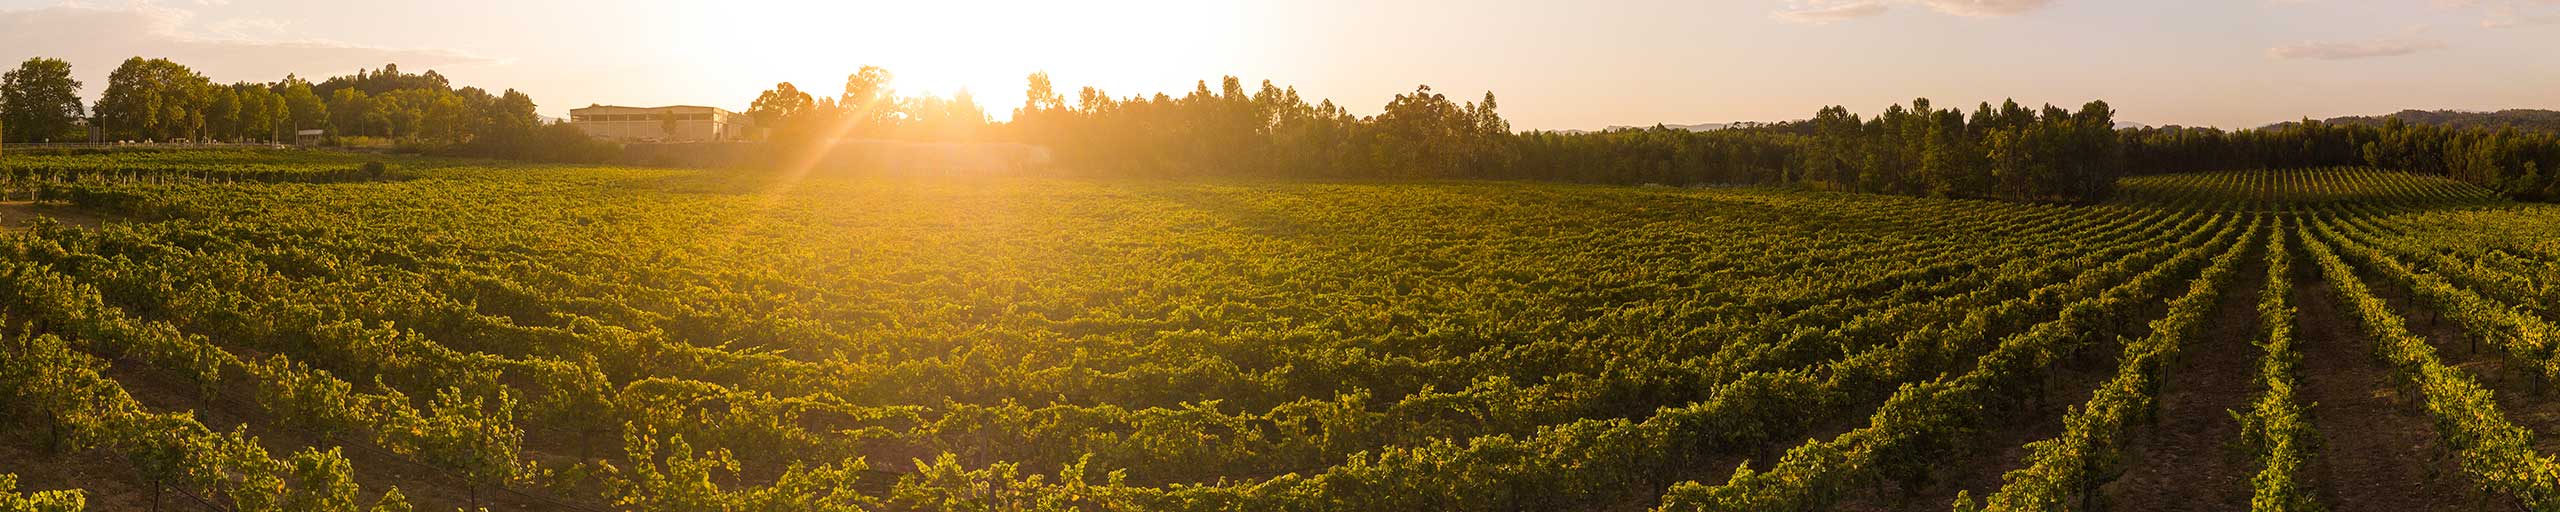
x: 252, y: 330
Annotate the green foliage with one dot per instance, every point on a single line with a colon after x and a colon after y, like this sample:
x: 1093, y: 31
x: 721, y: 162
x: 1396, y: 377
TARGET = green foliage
x: 2089, y: 449
x: 161, y: 100
x: 2276, y: 424
x: 2010, y: 154
x: 2527, y: 119
x: 826, y: 342
x: 391, y: 501
x: 71, y: 500
x: 39, y: 101
x: 320, y: 481
x: 2495, y: 453
x: 1921, y: 422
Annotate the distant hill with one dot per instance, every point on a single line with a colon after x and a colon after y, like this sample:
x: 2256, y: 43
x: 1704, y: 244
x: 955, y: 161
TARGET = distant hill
x: 1709, y: 127
x: 2525, y: 119
x: 1700, y: 127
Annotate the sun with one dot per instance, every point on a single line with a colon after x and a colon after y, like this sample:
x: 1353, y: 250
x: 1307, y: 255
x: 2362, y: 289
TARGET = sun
x: 987, y: 48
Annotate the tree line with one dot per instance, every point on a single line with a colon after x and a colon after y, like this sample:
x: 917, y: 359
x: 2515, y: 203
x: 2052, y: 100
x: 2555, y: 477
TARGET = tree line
x: 2000, y: 152
x: 2006, y: 151
x: 866, y: 109
x: 159, y: 100
x: 1270, y: 131
x: 2010, y: 152
x: 2522, y: 118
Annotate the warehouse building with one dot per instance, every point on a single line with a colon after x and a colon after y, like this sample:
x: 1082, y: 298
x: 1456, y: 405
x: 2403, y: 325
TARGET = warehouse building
x: 681, y: 123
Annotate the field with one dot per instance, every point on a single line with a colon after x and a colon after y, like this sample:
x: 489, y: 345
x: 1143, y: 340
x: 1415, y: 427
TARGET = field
x: 290, y: 331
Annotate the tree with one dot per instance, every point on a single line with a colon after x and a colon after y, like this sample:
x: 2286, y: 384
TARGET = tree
x: 1041, y: 96
x: 130, y: 107
x: 1422, y: 134
x: 1948, y: 163
x: 514, y: 113
x: 866, y: 89
x: 261, y: 113
x: 781, y: 103
x: 304, y: 109
x: 392, y: 115
x: 350, y: 110
x: 868, y: 101
x: 944, y: 119
x: 779, y: 109
x: 153, y: 99
x: 39, y: 101
x: 222, y: 114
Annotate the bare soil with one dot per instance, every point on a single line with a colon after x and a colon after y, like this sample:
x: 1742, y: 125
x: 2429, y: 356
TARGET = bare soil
x: 2001, y: 445
x: 376, y: 470
x: 2189, y: 457
x: 16, y: 214
x: 105, y: 480
x: 2521, y: 392
x: 2378, y: 450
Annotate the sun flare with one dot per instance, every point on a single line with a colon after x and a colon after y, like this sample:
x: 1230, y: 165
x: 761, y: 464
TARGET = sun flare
x: 943, y: 48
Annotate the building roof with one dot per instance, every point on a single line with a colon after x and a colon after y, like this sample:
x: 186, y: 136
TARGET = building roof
x: 595, y: 108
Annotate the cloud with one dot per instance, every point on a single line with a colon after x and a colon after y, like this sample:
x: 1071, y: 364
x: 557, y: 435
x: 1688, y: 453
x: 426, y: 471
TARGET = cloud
x: 2509, y: 13
x: 1828, y: 11
x: 2345, y: 50
x: 1839, y: 11
x: 96, y: 39
x: 1986, y: 7
x: 247, y: 29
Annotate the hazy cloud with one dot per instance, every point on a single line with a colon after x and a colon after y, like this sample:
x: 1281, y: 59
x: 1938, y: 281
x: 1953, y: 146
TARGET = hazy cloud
x: 2344, y: 50
x: 1817, y: 13
x: 2509, y: 13
x: 247, y: 29
x: 1828, y: 11
x: 96, y: 39
x: 1986, y: 7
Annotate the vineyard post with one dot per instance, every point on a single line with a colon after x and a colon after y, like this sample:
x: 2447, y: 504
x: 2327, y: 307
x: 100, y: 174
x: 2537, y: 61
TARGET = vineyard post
x: 2044, y: 389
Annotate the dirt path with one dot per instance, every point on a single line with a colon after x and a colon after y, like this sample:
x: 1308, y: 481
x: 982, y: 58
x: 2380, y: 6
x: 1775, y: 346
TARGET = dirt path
x: 2378, y: 450
x: 2521, y: 395
x: 2185, y: 460
x: 2003, y: 442
x: 15, y: 214
x: 107, y: 481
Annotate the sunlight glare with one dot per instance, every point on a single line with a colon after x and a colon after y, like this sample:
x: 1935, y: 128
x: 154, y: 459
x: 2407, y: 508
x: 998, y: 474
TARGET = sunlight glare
x: 940, y: 48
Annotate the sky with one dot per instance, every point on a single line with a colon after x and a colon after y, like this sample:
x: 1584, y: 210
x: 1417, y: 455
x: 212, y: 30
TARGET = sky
x: 1581, y: 64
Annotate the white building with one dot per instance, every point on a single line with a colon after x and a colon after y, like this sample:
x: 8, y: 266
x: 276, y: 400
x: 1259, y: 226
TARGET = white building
x: 680, y: 123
